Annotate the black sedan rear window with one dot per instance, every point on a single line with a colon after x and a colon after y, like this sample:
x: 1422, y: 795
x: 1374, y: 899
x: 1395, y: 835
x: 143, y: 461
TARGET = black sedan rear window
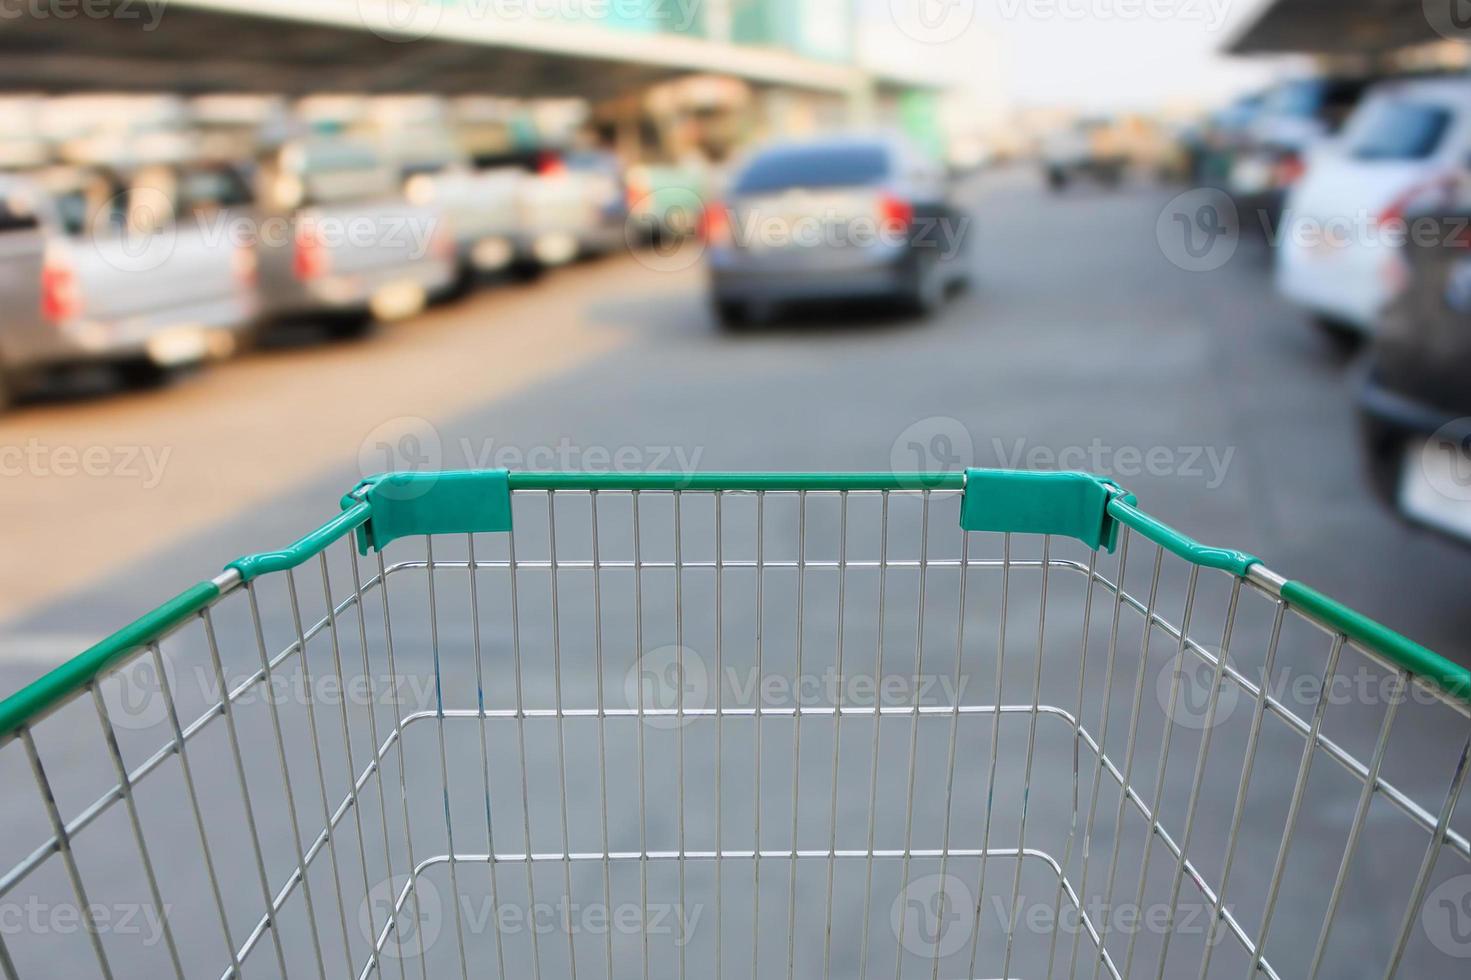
x: 815, y: 166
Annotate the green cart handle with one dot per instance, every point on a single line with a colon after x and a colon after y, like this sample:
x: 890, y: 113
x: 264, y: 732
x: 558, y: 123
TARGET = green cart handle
x: 384, y: 508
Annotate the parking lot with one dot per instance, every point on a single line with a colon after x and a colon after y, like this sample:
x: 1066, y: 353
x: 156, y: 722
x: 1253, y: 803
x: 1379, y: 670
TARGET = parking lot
x: 1081, y: 345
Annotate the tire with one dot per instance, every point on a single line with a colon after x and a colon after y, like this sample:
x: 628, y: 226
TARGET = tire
x: 732, y: 314
x: 1056, y: 179
x: 350, y: 326
x: 141, y: 374
x: 1384, y: 449
x: 925, y: 297
x: 526, y: 270
x: 461, y: 286
x: 1344, y: 338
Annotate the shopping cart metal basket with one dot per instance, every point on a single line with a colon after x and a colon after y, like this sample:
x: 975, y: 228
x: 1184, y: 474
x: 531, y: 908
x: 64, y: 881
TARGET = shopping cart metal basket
x: 982, y: 724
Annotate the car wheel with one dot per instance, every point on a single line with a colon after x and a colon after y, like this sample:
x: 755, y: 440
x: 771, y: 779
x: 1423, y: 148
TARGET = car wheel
x: 141, y: 374
x: 1384, y: 454
x: 526, y: 270
x: 1056, y: 179
x: 732, y: 314
x: 460, y: 286
x: 926, y: 295
x: 350, y: 326
x: 1344, y: 337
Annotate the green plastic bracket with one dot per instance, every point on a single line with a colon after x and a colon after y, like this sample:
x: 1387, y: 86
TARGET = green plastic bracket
x: 407, y: 504
x: 1015, y: 501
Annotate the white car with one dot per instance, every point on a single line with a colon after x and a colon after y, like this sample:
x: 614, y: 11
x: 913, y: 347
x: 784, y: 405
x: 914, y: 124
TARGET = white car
x: 1400, y: 153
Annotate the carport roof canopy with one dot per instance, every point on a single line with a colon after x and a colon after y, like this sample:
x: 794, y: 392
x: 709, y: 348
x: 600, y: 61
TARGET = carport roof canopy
x: 196, y: 51
x: 1348, y: 27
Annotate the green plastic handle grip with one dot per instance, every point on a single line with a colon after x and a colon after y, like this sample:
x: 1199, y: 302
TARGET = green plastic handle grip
x: 1451, y: 678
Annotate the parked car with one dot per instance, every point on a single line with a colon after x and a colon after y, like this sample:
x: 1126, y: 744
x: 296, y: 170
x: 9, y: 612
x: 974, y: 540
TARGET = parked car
x: 837, y: 218
x: 666, y: 200
x: 554, y: 216
x: 1293, y: 118
x: 1087, y: 149
x: 339, y: 244
x: 606, y: 193
x: 1400, y: 152
x: 479, y: 206
x: 128, y: 270
x: 1213, y: 147
x: 1415, y: 401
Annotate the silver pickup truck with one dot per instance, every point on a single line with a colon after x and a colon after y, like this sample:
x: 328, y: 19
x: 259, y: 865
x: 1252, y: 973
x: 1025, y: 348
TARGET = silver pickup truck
x: 98, y: 267
x: 481, y: 207
x: 338, y: 243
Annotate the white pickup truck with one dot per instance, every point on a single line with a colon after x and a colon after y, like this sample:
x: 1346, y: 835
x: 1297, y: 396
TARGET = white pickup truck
x: 338, y: 243
x: 480, y: 207
x: 127, y: 270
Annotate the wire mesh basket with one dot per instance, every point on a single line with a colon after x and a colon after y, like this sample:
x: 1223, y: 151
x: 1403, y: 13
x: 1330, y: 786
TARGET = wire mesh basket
x: 987, y: 724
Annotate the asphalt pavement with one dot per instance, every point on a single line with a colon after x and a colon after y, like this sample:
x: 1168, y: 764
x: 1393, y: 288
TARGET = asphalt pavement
x: 1080, y: 344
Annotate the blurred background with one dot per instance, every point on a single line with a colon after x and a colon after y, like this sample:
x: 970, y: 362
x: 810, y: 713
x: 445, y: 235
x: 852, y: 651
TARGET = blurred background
x: 251, y: 252
x: 1210, y: 248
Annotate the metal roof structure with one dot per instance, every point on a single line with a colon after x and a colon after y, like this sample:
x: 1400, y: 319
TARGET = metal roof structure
x: 293, y: 47
x: 1352, y: 27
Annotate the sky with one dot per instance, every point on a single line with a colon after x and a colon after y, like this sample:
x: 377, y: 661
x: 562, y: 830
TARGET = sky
x: 1086, y: 54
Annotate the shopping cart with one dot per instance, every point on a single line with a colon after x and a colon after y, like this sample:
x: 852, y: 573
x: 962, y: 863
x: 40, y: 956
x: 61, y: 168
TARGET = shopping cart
x: 982, y: 724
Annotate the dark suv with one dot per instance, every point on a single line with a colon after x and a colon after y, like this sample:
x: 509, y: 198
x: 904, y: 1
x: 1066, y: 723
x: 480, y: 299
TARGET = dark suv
x: 1415, y: 403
